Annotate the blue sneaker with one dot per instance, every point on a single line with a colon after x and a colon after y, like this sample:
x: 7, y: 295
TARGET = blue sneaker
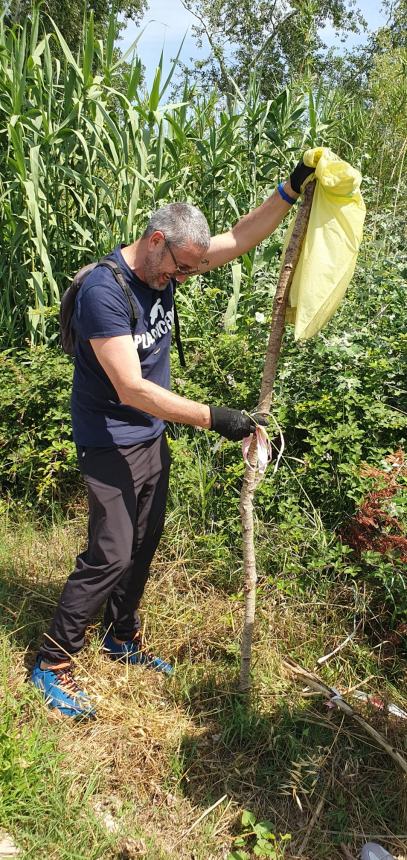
x: 134, y: 653
x: 61, y: 691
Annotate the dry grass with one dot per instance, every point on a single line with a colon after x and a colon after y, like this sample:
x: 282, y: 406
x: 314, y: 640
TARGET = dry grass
x: 165, y: 750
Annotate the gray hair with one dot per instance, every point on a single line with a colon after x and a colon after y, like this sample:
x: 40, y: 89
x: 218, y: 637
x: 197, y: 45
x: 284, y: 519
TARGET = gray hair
x: 181, y: 224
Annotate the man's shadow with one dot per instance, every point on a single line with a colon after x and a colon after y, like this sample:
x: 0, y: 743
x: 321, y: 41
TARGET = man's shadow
x: 283, y: 764
x: 26, y: 608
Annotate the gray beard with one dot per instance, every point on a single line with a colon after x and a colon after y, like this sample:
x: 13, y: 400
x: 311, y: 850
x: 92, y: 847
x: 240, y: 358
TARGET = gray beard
x: 158, y: 287
x: 152, y: 266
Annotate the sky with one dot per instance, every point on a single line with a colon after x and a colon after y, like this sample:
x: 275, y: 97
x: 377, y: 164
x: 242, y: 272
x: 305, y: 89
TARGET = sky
x: 167, y: 22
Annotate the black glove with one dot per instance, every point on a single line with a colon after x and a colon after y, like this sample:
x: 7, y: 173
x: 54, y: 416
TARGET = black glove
x: 299, y: 175
x: 231, y: 423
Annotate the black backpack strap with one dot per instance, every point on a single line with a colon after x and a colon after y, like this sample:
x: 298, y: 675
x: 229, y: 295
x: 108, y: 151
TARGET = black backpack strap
x: 121, y: 280
x: 177, y: 328
x: 134, y: 314
x: 178, y: 338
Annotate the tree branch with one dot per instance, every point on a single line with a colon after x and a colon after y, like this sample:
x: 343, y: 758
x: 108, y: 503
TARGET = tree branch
x: 226, y: 78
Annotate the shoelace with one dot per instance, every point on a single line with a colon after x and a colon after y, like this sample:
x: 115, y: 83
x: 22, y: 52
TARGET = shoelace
x: 146, y: 656
x: 136, y: 646
x: 67, y: 681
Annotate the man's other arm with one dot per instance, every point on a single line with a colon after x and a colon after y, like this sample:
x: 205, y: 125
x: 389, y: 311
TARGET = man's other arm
x: 119, y: 359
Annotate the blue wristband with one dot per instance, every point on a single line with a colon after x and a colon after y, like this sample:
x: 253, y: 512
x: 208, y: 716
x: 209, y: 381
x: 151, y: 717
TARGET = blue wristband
x: 285, y: 196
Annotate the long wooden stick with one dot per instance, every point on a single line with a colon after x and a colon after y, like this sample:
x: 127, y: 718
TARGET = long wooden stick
x: 250, y: 479
x: 312, y: 680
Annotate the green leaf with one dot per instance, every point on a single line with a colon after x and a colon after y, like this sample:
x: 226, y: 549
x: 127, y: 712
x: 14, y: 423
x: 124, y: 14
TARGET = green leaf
x: 89, y: 50
x: 130, y: 221
x: 265, y: 829
x: 111, y: 38
x: 35, y: 19
x: 154, y: 98
x: 248, y: 818
x: 159, y: 152
x: 17, y: 141
x: 232, y: 203
x: 35, y: 167
x: 230, y: 318
x: 161, y: 190
x: 134, y: 79
x: 264, y: 849
x: 238, y: 855
x: 172, y: 69
x: 130, y: 50
x: 67, y: 52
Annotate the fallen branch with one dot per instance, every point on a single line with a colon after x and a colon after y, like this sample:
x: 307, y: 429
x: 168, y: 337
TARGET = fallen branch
x: 204, y: 814
x: 322, y: 660
x: 318, y: 809
x: 251, y: 479
x: 333, y: 696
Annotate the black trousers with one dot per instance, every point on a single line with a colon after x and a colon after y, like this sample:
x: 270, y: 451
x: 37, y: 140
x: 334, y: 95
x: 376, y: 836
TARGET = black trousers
x: 127, y: 493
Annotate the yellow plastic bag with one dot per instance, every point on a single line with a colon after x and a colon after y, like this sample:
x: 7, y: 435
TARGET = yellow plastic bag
x: 328, y: 255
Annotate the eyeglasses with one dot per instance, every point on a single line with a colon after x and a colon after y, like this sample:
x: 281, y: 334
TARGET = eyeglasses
x: 180, y: 270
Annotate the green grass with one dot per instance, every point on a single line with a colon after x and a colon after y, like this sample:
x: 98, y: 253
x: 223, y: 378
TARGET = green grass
x: 162, y: 752
x: 44, y: 801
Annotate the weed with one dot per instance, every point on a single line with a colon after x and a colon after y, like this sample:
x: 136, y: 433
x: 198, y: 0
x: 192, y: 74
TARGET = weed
x: 258, y: 837
x: 162, y: 753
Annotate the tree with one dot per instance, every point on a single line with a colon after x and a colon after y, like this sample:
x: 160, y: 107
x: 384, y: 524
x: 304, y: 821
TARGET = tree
x: 374, y: 76
x: 354, y: 68
x: 279, y: 39
x: 69, y: 15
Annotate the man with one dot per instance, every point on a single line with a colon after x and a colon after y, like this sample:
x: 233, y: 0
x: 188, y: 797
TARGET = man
x: 120, y: 401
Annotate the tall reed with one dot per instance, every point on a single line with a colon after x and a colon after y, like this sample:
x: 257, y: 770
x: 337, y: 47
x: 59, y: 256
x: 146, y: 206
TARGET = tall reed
x: 86, y: 153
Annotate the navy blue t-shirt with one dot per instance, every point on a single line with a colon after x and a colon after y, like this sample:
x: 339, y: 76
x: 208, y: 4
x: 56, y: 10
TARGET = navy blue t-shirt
x: 99, y: 419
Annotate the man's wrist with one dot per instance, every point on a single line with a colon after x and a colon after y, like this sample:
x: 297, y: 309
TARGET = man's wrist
x: 286, y: 193
x: 206, y: 418
x: 290, y: 190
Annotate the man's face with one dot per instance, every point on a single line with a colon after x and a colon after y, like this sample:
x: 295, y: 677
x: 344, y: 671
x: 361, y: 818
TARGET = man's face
x: 161, y: 264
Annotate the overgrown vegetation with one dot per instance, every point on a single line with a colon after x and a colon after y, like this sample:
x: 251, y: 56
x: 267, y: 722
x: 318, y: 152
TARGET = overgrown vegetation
x: 162, y: 753
x: 85, y: 155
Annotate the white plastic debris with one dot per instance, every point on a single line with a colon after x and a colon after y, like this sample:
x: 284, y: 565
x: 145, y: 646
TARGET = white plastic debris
x: 7, y: 846
x: 378, y: 703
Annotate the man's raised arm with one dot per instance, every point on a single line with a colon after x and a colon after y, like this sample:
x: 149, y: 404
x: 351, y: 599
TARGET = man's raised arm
x: 257, y: 224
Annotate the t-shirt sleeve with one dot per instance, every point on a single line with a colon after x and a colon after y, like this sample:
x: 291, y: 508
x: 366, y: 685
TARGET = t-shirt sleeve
x: 102, y: 311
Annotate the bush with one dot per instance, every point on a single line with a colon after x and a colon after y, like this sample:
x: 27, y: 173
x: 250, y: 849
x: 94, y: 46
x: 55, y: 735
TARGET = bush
x: 340, y: 399
x: 37, y: 454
